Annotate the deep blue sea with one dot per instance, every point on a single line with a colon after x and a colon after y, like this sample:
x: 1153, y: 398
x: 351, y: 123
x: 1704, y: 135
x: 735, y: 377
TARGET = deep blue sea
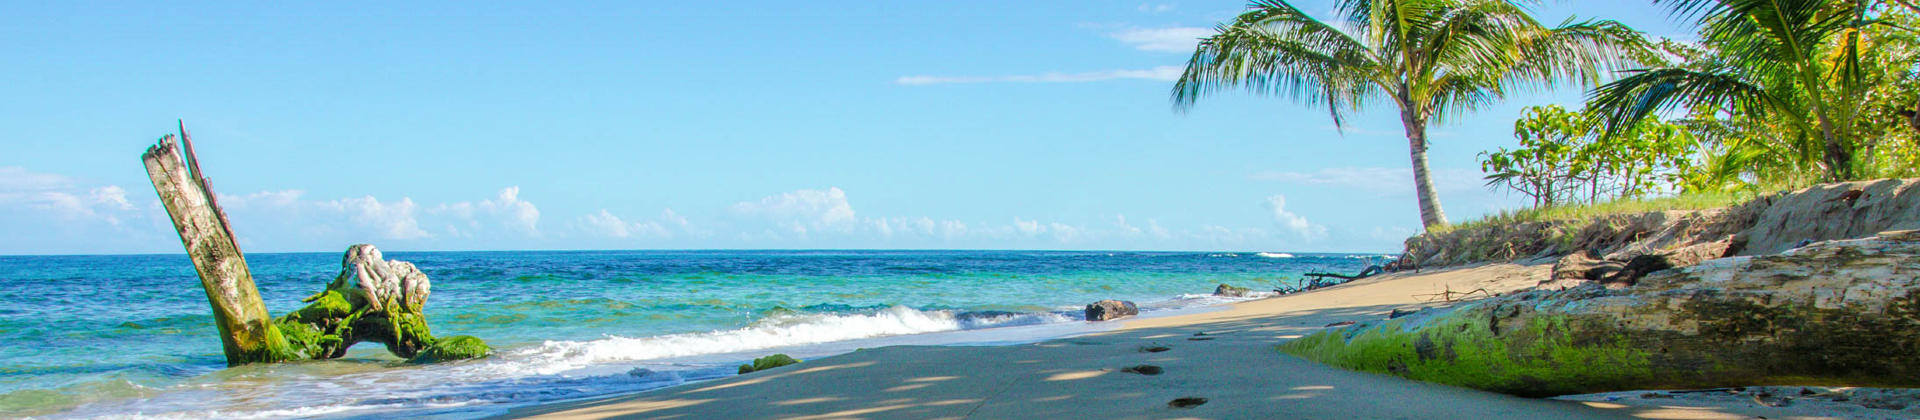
x: 131, y: 336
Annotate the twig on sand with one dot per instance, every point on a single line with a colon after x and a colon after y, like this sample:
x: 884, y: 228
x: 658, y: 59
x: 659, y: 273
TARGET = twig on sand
x: 1449, y: 295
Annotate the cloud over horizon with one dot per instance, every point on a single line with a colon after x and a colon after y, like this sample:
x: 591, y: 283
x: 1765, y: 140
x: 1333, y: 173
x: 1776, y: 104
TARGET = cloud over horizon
x: 290, y: 219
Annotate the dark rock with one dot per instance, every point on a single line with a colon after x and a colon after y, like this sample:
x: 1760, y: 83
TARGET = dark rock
x: 1583, y: 266
x: 1148, y: 370
x: 1186, y: 402
x: 1402, y: 312
x: 1639, y: 266
x: 1231, y: 291
x: 1154, y: 349
x: 1110, y: 310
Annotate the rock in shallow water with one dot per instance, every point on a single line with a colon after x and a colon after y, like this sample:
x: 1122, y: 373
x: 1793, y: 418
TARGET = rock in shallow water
x: 1833, y: 313
x: 1231, y: 291
x: 1111, y: 309
x: 459, y: 347
x: 769, y: 362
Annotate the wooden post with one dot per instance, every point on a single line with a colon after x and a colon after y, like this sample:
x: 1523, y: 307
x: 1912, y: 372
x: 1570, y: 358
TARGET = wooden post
x: 246, y: 332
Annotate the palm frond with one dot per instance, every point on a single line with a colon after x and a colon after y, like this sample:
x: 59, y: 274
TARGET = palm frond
x: 1276, y: 49
x: 1619, y: 105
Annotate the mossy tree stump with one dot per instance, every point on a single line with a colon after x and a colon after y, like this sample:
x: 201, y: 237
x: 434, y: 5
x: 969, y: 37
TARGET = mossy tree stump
x: 370, y: 300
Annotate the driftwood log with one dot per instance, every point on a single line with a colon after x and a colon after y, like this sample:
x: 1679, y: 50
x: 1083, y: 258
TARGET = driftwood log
x: 370, y: 300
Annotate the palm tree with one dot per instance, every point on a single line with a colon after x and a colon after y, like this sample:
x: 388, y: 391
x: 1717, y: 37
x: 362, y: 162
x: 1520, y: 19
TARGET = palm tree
x: 1434, y: 59
x: 1795, y: 63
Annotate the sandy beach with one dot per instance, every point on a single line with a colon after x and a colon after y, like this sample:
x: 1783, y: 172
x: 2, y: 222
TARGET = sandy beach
x: 1226, y: 357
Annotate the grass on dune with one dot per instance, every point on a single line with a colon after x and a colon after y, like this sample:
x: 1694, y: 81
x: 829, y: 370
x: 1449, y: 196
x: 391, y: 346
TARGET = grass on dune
x: 1688, y: 201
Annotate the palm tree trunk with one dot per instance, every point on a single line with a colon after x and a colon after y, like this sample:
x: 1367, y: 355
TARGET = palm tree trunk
x: 1839, y: 159
x: 1430, y: 213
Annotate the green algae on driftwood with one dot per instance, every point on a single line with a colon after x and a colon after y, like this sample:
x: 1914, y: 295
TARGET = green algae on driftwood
x: 1843, y: 313
x: 370, y: 300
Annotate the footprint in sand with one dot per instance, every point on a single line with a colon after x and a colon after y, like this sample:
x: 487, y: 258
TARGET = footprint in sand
x: 1187, y: 402
x: 1148, y: 370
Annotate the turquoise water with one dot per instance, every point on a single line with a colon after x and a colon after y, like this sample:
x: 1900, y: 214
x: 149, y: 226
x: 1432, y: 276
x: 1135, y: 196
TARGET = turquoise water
x: 132, y: 336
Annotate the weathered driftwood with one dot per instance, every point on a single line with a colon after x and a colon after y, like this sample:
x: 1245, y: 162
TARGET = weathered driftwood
x: 370, y: 300
x: 376, y: 300
x: 246, y: 333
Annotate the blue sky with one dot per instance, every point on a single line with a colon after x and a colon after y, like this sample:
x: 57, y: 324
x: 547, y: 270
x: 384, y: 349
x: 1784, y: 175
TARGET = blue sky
x: 698, y: 125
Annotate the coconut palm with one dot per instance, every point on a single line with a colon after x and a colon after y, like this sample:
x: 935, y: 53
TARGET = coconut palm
x: 1433, y: 59
x: 1794, y: 63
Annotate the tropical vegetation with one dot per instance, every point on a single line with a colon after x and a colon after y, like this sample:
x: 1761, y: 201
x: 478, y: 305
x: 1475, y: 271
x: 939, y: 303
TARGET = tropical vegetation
x: 1782, y: 92
x: 1560, y: 160
x: 1776, y: 94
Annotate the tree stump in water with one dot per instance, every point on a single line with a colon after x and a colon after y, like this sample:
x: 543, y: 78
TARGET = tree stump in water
x: 370, y: 300
x: 376, y: 300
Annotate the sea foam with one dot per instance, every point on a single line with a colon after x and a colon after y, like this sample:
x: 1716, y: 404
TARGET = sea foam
x: 776, y: 331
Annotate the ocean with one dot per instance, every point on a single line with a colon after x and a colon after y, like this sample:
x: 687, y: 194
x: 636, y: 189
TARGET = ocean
x: 131, y: 336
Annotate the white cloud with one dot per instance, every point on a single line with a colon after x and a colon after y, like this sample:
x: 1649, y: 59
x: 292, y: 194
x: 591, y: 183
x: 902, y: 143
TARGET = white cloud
x: 505, y: 208
x: 1379, y: 181
x: 60, y: 196
x: 1153, y: 228
x: 1156, y: 8
x: 1064, y: 233
x: 1160, y: 73
x: 370, y: 218
x: 952, y: 229
x: 393, y: 220
x: 676, y: 219
x: 922, y: 226
x: 1176, y: 39
x: 803, y: 211
x: 1028, y: 227
x: 1277, y: 204
x: 524, y: 215
x: 605, y: 223
x: 1127, y: 229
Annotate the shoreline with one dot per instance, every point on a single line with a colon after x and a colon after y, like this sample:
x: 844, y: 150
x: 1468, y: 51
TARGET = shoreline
x: 1224, y: 355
